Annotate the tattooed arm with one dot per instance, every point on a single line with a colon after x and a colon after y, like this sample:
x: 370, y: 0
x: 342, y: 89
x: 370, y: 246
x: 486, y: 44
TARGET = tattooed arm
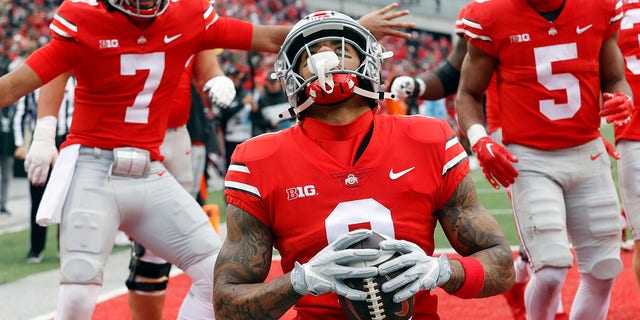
x: 242, y: 265
x: 472, y: 231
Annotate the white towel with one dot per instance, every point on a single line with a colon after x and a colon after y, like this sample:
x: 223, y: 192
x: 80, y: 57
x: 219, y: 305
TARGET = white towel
x: 55, y: 194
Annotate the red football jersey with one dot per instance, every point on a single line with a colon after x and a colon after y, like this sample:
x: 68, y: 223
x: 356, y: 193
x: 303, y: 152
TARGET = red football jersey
x: 409, y: 169
x: 492, y: 104
x: 127, y: 75
x: 181, y: 105
x: 459, y: 29
x: 630, y: 47
x: 548, y: 72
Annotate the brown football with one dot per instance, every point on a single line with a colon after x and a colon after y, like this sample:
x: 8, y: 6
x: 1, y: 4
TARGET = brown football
x: 378, y: 305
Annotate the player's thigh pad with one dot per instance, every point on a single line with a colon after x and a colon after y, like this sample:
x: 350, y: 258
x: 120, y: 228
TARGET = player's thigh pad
x: 176, y: 149
x: 629, y: 179
x: 171, y: 223
x: 539, y: 208
x: 89, y: 223
x: 593, y: 212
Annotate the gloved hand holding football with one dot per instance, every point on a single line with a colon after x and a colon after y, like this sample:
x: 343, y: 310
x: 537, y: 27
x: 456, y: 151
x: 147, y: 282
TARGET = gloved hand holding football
x: 326, y: 271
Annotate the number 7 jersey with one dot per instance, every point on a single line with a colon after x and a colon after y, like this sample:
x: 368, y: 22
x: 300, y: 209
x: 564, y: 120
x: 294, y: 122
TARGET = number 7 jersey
x: 548, y: 72
x: 127, y: 75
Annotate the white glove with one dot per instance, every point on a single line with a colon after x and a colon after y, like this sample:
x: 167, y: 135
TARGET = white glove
x: 221, y: 91
x: 404, y: 87
x: 42, y: 152
x: 326, y: 271
x: 424, y: 273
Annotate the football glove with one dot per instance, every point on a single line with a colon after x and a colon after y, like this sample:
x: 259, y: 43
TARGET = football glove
x: 43, y: 152
x: 221, y: 91
x: 404, y: 87
x: 617, y: 108
x: 423, y: 273
x: 326, y: 271
x: 495, y: 161
x: 611, y: 149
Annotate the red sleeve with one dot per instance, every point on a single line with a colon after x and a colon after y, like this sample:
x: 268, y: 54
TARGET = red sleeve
x: 455, y: 168
x: 229, y: 33
x: 477, y: 23
x: 52, y: 59
x: 615, y: 12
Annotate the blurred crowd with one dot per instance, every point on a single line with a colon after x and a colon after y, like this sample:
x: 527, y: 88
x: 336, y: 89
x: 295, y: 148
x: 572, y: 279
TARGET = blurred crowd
x: 24, y: 26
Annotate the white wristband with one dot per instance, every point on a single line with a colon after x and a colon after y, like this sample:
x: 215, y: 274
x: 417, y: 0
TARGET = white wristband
x: 475, y: 133
x: 45, y: 128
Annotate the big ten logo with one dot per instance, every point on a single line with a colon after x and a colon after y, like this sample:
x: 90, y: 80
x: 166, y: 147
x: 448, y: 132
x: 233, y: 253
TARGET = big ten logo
x: 518, y: 38
x: 113, y: 43
x: 301, y: 192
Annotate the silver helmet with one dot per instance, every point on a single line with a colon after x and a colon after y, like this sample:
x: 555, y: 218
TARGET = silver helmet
x: 320, y: 26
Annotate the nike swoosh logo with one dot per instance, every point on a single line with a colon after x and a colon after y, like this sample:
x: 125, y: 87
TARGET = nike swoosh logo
x: 161, y: 173
x: 168, y: 39
x: 593, y: 157
x: 394, y: 175
x: 582, y: 30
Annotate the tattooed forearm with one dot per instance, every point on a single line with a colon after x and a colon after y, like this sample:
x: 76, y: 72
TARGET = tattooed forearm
x: 242, y: 265
x: 472, y: 230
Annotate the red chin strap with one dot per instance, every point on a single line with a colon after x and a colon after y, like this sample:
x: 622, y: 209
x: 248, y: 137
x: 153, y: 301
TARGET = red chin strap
x: 342, y: 89
x: 142, y: 11
x: 545, y: 5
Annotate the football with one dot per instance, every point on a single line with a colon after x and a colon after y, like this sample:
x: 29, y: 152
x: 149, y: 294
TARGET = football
x: 378, y: 305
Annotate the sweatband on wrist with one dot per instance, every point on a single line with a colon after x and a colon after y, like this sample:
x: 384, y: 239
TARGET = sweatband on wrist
x: 449, y: 77
x: 45, y: 128
x: 475, y: 133
x: 473, y: 280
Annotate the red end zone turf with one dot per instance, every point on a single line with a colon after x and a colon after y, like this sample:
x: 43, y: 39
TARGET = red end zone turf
x: 625, y: 299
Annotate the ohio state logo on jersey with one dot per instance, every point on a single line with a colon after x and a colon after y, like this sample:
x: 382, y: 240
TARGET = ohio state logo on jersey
x: 301, y: 192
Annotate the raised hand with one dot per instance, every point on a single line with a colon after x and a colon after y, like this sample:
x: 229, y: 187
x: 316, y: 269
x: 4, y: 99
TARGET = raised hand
x: 43, y: 152
x: 221, y: 91
x: 326, y: 271
x: 404, y: 87
x: 495, y: 161
x: 424, y: 272
x: 383, y: 22
x: 617, y: 108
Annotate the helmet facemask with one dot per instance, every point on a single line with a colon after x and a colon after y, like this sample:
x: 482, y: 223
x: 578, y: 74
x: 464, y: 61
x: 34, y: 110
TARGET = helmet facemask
x: 331, y: 82
x: 136, y: 9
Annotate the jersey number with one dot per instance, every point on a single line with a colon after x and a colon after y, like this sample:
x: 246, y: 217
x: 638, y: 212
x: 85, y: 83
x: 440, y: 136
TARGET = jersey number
x: 561, y: 81
x: 365, y: 214
x: 630, y: 18
x: 129, y: 66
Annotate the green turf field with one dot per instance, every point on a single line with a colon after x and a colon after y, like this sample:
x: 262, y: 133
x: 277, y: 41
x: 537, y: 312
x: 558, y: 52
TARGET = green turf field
x: 14, y: 246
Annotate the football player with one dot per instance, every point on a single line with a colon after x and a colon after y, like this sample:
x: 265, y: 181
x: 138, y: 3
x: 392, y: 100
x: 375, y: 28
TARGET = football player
x: 149, y: 273
x: 128, y: 57
x: 627, y: 137
x: 552, y: 59
x: 345, y: 167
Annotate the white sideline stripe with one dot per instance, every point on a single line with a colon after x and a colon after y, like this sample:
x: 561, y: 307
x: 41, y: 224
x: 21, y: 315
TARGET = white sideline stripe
x: 110, y: 295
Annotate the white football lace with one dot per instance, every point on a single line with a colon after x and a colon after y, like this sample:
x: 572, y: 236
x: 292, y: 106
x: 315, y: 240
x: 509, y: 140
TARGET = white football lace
x: 374, y: 300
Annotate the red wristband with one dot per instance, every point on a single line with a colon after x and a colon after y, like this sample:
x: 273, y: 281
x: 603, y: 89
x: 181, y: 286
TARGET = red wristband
x: 473, y: 280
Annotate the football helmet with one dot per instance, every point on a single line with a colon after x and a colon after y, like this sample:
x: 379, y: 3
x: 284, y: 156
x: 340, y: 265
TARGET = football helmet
x: 330, y: 83
x: 141, y: 8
